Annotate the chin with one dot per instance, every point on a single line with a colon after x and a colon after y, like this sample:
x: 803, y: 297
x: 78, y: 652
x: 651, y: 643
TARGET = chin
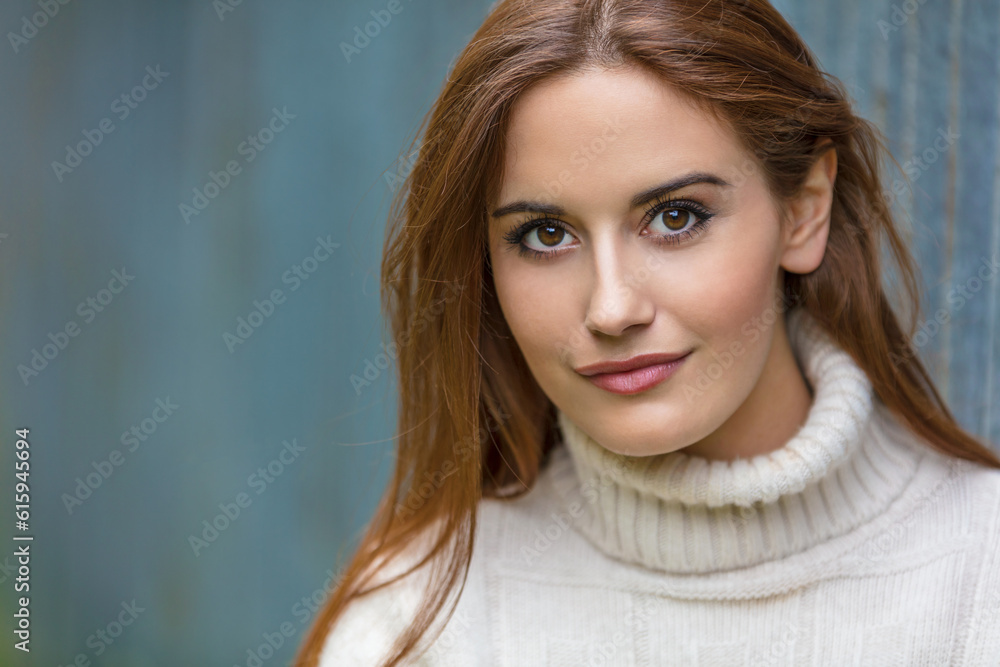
x: 644, y: 432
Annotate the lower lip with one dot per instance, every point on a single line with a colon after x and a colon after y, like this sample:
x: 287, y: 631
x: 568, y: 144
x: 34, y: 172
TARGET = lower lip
x: 638, y: 380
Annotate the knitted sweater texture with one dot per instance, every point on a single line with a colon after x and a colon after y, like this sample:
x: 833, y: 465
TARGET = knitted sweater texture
x: 855, y: 543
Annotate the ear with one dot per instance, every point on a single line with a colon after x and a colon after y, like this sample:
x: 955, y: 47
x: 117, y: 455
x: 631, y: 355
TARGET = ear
x: 808, y: 215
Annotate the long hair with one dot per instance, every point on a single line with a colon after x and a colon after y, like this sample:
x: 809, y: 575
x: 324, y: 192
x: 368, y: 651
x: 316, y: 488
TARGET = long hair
x: 468, y: 405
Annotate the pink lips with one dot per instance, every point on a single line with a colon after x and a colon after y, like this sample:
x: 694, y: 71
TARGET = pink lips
x: 634, y: 375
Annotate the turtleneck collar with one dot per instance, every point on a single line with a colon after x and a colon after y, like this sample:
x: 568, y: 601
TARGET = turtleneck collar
x: 687, y: 514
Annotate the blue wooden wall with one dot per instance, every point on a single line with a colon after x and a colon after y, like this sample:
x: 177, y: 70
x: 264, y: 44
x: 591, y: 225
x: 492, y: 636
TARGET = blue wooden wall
x: 209, y: 416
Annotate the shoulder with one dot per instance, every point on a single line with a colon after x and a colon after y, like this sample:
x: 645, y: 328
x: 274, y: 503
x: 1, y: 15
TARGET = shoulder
x: 984, y: 481
x: 982, y: 485
x: 539, y: 530
x: 983, y: 632
x: 366, y: 630
x: 369, y: 625
x: 957, y: 497
x: 507, y: 537
x: 973, y: 489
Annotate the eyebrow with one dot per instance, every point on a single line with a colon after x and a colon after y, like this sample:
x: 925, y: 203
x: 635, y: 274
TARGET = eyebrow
x: 641, y: 198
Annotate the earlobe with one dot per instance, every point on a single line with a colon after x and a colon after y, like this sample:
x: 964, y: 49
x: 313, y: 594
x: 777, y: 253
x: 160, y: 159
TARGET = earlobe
x: 809, y: 213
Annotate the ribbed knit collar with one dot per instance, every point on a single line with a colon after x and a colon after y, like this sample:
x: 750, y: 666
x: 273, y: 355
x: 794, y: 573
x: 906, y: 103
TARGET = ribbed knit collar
x: 687, y: 514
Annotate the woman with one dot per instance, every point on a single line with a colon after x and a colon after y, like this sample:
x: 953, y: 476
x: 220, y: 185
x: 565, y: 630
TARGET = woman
x: 671, y: 416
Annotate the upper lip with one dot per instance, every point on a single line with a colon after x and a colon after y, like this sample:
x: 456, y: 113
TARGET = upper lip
x: 630, y: 364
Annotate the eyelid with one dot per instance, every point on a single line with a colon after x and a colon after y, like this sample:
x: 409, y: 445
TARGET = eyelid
x: 515, y: 236
x: 669, y: 201
x: 658, y: 204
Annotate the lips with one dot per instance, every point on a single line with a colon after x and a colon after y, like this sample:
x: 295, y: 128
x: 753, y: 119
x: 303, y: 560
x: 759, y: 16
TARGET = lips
x: 634, y: 375
x: 633, y: 363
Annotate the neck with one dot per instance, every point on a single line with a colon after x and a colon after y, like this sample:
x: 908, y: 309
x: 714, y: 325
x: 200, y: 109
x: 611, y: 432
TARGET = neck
x: 683, y: 513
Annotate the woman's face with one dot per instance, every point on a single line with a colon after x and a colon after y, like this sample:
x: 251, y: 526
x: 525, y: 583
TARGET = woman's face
x: 631, y: 223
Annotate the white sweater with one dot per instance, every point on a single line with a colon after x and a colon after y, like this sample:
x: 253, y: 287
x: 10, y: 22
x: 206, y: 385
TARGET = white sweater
x: 853, y: 544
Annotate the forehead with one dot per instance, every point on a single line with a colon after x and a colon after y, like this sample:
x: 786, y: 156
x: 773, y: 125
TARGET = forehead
x: 606, y: 129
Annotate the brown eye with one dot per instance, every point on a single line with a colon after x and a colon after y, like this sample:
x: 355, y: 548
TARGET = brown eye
x: 539, y: 237
x: 676, y: 219
x: 681, y: 219
x: 550, y: 235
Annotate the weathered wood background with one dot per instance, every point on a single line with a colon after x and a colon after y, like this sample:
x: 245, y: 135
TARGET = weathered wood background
x: 920, y: 70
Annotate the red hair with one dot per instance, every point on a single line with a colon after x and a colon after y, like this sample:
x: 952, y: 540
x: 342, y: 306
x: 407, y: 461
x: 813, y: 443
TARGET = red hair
x: 466, y: 396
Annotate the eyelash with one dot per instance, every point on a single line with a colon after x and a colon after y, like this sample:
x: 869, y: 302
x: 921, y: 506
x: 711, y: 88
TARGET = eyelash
x: 701, y: 213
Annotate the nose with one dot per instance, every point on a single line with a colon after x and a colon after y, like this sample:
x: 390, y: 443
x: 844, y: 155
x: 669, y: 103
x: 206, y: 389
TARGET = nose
x: 619, y: 297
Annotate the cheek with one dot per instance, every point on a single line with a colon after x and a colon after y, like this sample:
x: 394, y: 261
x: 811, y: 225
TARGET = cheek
x: 539, y: 318
x: 537, y: 304
x: 740, y: 292
x: 731, y: 283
